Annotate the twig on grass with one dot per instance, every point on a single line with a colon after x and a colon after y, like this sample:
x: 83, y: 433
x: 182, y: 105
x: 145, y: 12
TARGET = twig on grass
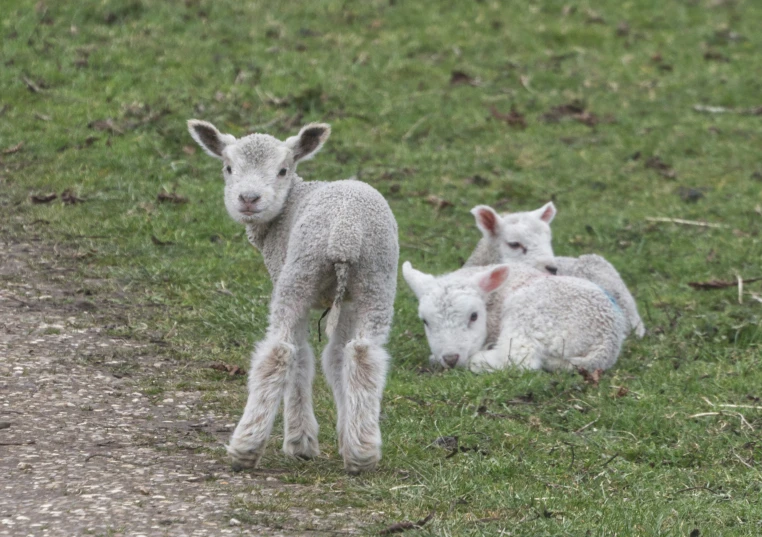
x: 722, y: 284
x: 737, y: 456
x: 738, y: 414
x: 13, y: 149
x: 31, y: 86
x: 587, y: 425
x: 740, y: 288
x: 411, y: 130
x: 684, y: 222
x: 697, y: 488
x: 741, y: 406
x: 756, y: 111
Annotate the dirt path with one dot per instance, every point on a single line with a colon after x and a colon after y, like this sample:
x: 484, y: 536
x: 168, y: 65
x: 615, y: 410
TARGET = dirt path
x: 82, y: 449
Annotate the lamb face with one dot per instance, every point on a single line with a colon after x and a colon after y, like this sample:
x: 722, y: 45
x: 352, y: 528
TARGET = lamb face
x: 522, y: 237
x: 259, y: 170
x: 454, y: 311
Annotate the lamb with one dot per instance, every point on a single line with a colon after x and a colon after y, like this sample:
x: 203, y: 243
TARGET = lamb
x: 490, y: 318
x: 324, y: 244
x: 525, y: 237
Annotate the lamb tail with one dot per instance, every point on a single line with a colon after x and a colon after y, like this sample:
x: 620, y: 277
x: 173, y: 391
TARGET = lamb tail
x: 342, y: 279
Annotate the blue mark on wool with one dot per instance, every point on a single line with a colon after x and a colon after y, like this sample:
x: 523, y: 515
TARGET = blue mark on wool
x: 612, y: 299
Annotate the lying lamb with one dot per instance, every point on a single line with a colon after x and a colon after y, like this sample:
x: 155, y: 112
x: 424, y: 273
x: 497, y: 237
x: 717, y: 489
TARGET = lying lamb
x: 525, y: 237
x: 534, y: 321
x: 323, y: 244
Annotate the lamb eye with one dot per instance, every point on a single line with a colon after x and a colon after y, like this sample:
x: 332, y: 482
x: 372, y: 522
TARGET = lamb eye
x: 282, y: 172
x: 425, y: 322
x: 515, y: 245
x: 229, y: 169
x: 474, y: 316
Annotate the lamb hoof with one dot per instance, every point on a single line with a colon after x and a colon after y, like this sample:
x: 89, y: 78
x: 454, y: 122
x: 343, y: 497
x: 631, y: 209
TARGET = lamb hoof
x: 303, y: 447
x: 244, y: 458
x: 357, y: 464
x: 238, y: 467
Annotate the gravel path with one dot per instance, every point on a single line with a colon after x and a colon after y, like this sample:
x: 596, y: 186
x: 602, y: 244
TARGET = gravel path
x: 82, y: 450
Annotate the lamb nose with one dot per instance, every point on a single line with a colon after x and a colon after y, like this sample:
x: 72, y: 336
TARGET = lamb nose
x: 249, y: 198
x: 451, y: 359
x: 550, y: 268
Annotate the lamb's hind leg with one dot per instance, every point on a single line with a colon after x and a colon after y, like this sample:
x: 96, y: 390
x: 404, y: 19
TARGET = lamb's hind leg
x: 333, y: 360
x: 363, y: 376
x: 300, y: 437
x: 271, y: 362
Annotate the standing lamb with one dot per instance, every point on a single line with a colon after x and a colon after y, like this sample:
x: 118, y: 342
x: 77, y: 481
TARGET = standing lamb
x: 324, y: 244
x: 525, y: 237
x: 534, y: 321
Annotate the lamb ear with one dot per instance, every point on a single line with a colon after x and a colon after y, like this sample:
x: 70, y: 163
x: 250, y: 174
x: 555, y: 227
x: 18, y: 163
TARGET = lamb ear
x: 487, y: 220
x: 418, y: 281
x: 546, y: 213
x: 309, y: 140
x: 492, y: 280
x: 209, y: 138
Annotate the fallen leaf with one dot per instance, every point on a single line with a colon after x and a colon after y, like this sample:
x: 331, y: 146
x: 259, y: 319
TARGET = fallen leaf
x: 587, y: 118
x: 446, y: 442
x: 555, y: 114
x: 593, y: 17
x: 690, y: 194
x: 720, y: 284
x: 514, y: 118
x: 713, y: 55
x: 13, y: 149
x: 623, y: 29
x: 189, y: 150
x: 70, y: 198
x: 622, y: 391
x: 590, y: 378
x: 477, y: 180
x: 231, y: 370
x: 438, y: 202
x: 159, y: 242
x: 171, y: 197
x: 42, y: 117
x: 656, y: 163
x: 43, y: 198
x: 399, y: 527
x: 524, y: 81
x: 460, y: 77
x: 487, y: 413
x: 105, y: 125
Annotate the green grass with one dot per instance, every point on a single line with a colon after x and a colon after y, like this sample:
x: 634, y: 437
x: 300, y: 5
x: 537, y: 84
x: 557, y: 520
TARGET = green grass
x: 552, y: 455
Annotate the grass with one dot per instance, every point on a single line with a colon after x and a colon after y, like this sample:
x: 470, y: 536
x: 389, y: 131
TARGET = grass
x: 113, y: 81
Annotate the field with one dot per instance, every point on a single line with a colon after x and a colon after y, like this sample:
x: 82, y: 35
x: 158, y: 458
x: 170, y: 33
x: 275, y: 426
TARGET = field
x: 601, y: 107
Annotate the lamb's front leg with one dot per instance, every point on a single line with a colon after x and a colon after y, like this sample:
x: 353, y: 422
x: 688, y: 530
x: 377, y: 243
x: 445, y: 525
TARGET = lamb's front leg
x: 363, y: 375
x: 511, y: 350
x: 300, y: 438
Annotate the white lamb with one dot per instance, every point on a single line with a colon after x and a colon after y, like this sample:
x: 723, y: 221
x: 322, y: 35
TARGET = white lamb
x: 489, y: 318
x: 525, y: 237
x: 324, y: 244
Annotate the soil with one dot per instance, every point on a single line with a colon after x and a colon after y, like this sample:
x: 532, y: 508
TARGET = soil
x: 84, y: 450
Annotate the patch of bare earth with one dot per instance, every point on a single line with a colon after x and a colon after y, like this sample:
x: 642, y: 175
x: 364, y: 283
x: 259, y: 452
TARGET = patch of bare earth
x: 83, y: 450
